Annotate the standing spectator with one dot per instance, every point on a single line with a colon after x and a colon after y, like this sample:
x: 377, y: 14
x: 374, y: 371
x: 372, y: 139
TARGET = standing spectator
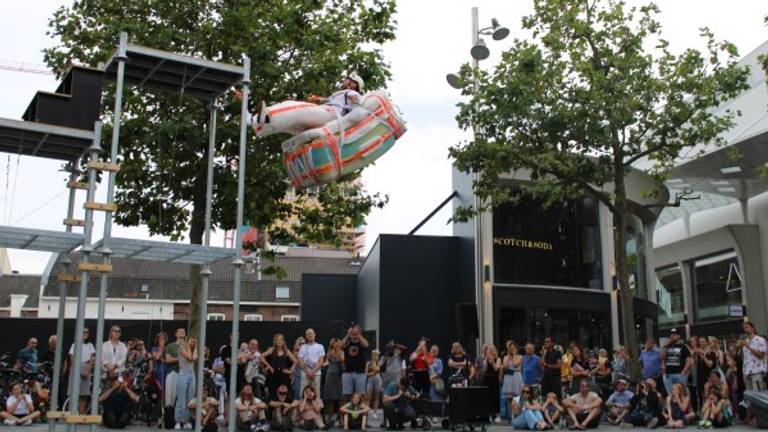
x: 618, y: 403
x: 87, y: 358
x: 459, y: 366
x: 392, y: 364
x: 706, y: 363
x: 579, y: 369
x: 755, y: 365
x: 253, y: 375
x: 26, y: 359
x: 373, y: 386
x: 185, y: 383
x: 311, y: 358
x: 140, y: 359
x: 565, y: 367
x: 297, y: 369
x: 436, y: 383
x: 620, y: 365
x: 650, y: 359
x: 693, y: 346
x: 420, y: 361
x: 332, y: 391
x: 118, y: 402
x: 225, y: 352
x: 250, y: 409
x: 172, y: 366
x: 113, y: 353
x: 531, y: 366
x: 645, y: 407
x: 584, y: 407
x: 714, y: 382
x: 714, y: 346
x: 310, y: 409
x: 279, y: 362
x: 243, y: 357
x: 602, y: 374
x: 355, y: 346
x: 679, y: 412
x: 48, y: 360
x: 490, y: 373
x: 551, y: 360
x: 159, y: 369
x: 676, y: 361
x: 512, y: 383
x: 733, y: 377
x: 19, y: 409
x: 283, y: 409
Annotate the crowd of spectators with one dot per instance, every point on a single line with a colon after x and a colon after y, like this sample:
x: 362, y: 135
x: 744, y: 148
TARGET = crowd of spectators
x: 310, y: 387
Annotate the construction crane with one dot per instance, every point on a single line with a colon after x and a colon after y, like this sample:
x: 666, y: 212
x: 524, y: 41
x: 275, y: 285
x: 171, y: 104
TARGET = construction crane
x: 17, y: 66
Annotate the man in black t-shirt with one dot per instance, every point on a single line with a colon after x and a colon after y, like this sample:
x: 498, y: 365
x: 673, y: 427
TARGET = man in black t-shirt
x: 353, y: 379
x: 675, y: 361
x: 551, y: 360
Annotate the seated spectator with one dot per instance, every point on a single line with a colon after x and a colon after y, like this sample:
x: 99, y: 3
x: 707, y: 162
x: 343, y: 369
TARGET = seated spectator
x: 210, y: 408
x: 118, y: 401
x: 618, y: 403
x: 19, y: 409
x: 310, y: 410
x: 678, y: 409
x: 397, y: 409
x: 283, y: 409
x: 584, y: 407
x: 715, y: 412
x: 552, y: 410
x: 355, y: 413
x: 250, y: 410
x: 26, y: 359
x: 526, y: 411
x: 645, y: 407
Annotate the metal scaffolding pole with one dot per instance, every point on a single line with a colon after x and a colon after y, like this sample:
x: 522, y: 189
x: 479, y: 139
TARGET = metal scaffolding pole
x: 66, y: 264
x: 238, y: 261
x: 86, y: 250
x: 105, y: 251
x: 206, y: 271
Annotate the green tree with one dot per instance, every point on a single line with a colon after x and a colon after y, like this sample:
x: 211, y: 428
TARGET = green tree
x: 296, y: 48
x: 595, y: 92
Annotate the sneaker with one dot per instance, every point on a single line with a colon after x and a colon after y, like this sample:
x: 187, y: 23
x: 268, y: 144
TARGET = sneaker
x: 374, y: 415
x: 625, y: 425
x: 653, y: 423
x: 178, y: 426
x: 27, y: 423
x: 188, y: 426
x: 9, y: 422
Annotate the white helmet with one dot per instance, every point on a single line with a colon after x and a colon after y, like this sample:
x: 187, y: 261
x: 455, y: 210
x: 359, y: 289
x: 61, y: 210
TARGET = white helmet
x: 356, y: 78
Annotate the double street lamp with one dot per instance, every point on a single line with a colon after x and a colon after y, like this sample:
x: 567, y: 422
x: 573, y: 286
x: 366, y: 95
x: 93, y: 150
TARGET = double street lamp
x: 483, y: 220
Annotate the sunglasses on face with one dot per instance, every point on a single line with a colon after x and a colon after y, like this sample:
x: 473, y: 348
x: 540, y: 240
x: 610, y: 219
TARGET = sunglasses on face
x: 526, y: 391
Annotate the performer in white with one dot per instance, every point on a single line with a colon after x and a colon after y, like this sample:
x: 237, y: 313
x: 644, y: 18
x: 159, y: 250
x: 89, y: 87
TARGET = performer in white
x: 294, y: 117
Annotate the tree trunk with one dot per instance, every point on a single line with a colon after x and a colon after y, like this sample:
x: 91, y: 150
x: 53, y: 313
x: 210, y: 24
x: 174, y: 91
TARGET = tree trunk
x: 627, y: 323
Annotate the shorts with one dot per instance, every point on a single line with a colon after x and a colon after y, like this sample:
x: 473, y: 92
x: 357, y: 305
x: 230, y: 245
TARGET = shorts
x: 755, y: 381
x: 373, y: 384
x: 353, y: 382
x: 583, y: 416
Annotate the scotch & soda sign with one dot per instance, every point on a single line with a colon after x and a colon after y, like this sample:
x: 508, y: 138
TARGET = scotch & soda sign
x: 522, y: 243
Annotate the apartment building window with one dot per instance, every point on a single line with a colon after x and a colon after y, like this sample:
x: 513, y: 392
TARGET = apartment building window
x: 253, y: 317
x: 282, y: 293
x: 286, y: 318
x: 216, y: 317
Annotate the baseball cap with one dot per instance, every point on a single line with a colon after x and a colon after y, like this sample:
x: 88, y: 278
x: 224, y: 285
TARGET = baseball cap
x: 673, y: 331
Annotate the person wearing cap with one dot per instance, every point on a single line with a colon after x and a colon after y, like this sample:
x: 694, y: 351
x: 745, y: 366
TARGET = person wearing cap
x: 619, y: 402
x: 346, y: 98
x: 676, y: 361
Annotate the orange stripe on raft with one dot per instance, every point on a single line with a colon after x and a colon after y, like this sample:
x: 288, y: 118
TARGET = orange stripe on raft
x: 334, y: 147
x: 315, y: 172
x: 290, y: 108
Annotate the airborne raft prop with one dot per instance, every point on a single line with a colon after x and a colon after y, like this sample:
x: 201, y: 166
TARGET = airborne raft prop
x: 327, y: 145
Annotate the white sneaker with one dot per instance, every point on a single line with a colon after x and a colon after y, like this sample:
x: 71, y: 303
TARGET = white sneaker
x: 374, y: 415
x: 178, y: 426
x: 9, y: 422
x: 27, y: 423
x: 188, y: 426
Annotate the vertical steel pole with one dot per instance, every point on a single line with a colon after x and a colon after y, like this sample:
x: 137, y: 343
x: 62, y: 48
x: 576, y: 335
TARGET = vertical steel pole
x: 105, y: 251
x: 479, y: 295
x: 206, y: 271
x: 86, y: 250
x: 238, y: 261
x: 66, y: 264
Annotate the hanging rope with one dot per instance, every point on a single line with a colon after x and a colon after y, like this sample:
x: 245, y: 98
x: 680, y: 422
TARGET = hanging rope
x: 13, y: 189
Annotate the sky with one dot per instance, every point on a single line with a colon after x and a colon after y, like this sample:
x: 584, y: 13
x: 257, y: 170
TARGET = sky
x: 433, y: 39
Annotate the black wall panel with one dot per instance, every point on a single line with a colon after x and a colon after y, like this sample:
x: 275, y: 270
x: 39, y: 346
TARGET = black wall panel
x: 329, y: 297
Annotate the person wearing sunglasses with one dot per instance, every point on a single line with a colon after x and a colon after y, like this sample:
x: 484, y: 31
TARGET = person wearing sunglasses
x: 526, y: 411
x: 113, y: 353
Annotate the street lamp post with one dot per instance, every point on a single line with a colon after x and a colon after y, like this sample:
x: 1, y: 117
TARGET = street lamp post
x: 483, y: 220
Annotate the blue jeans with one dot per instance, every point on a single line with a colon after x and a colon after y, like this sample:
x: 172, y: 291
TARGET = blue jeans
x: 185, y: 392
x: 672, y: 379
x: 527, y: 419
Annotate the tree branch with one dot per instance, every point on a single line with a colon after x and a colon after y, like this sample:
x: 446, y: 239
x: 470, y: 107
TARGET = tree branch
x: 684, y: 195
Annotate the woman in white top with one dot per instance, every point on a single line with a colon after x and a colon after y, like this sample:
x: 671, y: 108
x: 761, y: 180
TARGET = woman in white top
x: 19, y: 409
x: 87, y: 358
x: 113, y: 352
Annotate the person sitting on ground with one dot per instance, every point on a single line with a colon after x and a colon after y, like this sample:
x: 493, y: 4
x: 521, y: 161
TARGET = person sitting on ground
x: 355, y: 413
x: 645, y: 407
x: 526, y: 411
x: 19, y: 409
x: 118, y: 401
x: 679, y: 412
x: 619, y: 402
x: 552, y: 410
x: 310, y: 410
x: 283, y: 409
x: 397, y: 408
x: 210, y: 409
x: 250, y: 409
x: 584, y: 407
x: 715, y: 411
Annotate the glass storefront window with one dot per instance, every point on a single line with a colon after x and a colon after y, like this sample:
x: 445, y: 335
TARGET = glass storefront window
x: 717, y: 286
x: 635, y: 247
x: 669, y: 289
x: 533, y: 324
